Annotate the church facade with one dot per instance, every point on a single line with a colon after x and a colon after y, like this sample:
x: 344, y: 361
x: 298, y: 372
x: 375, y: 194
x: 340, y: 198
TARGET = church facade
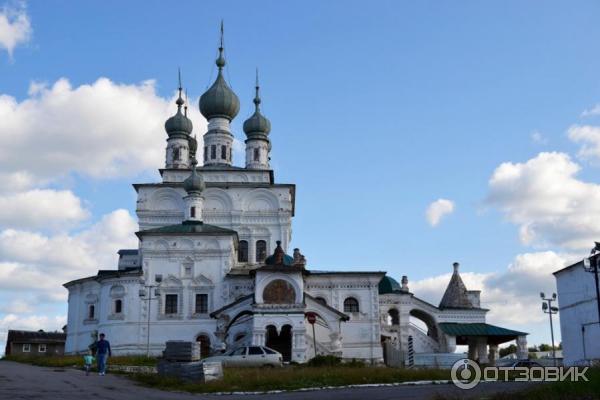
x: 212, y: 266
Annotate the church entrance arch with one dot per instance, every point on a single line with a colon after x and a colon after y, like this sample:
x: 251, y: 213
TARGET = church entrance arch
x: 281, y: 342
x: 204, y: 341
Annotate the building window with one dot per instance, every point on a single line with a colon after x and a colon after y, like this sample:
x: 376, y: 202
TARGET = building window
x: 201, y: 303
x: 213, y: 151
x: 41, y: 348
x: 243, y: 251
x: 321, y: 300
x: 193, y: 212
x: 187, y: 268
x: 171, y: 304
x: 26, y: 348
x: 176, y: 153
x: 118, y: 306
x: 205, y: 153
x: 261, y: 250
x: 351, y: 305
x: 91, y: 311
x: 230, y: 154
x: 224, y: 152
x: 256, y: 154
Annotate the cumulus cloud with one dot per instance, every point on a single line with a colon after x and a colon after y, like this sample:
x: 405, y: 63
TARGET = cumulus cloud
x: 512, y: 295
x: 589, y: 138
x: 438, y: 210
x: 37, y: 208
x: 36, y: 265
x: 104, y: 129
x: 15, y: 28
x: 590, y: 112
x: 546, y: 200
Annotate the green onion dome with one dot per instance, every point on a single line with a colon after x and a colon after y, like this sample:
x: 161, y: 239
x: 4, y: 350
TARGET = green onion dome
x: 257, y: 125
x: 178, y: 124
x: 194, y: 183
x: 219, y: 100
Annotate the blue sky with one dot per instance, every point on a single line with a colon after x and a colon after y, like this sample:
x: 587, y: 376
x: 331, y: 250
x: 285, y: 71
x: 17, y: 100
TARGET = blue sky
x: 378, y: 109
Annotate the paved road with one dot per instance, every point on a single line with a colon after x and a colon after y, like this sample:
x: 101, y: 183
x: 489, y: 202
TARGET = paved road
x: 21, y: 381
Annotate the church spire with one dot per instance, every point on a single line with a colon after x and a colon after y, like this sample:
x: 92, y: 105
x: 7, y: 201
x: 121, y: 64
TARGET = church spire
x: 219, y: 105
x: 257, y: 129
x: 178, y: 128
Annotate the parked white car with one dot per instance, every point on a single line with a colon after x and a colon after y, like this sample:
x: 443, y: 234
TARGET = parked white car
x: 249, y: 356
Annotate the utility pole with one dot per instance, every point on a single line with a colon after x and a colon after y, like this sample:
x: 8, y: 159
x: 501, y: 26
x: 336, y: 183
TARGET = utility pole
x: 591, y: 265
x: 146, y: 293
x: 550, y: 310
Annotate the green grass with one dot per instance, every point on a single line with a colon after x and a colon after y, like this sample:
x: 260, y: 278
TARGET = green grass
x: 70, y: 361
x: 292, y: 377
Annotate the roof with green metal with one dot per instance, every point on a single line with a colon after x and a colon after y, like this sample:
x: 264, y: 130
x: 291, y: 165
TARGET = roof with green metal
x: 189, y: 227
x: 477, y: 329
x: 388, y: 285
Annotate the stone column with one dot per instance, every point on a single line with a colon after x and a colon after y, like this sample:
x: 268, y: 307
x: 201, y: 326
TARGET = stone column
x: 472, y: 352
x: 482, y: 354
x: 493, y: 355
x: 522, y: 352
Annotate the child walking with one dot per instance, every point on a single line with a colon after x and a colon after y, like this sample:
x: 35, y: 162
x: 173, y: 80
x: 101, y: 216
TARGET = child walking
x: 88, y: 360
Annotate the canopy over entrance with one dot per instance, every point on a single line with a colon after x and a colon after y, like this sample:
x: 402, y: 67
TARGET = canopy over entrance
x: 494, y: 334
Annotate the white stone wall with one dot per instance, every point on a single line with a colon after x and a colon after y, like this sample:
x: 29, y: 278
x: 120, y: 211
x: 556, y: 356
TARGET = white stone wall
x: 255, y: 213
x: 578, y: 309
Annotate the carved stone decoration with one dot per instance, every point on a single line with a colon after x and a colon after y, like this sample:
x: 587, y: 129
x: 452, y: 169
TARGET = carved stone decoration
x: 279, y: 292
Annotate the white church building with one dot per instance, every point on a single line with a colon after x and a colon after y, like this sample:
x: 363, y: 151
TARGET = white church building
x: 212, y: 266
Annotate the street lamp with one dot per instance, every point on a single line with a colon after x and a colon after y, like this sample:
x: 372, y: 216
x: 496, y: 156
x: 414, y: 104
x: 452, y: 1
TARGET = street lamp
x: 550, y: 310
x: 591, y: 265
x: 148, y: 297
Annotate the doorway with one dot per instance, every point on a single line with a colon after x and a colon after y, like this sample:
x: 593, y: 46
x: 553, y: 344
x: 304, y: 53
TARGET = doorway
x: 204, y: 341
x: 281, y: 342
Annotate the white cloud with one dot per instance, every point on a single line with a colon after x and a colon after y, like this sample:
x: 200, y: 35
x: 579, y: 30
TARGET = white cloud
x: 591, y: 111
x: 546, y: 200
x: 35, y: 265
x: 102, y: 130
x: 511, y: 295
x: 41, y: 209
x: 15, y: 28
x: 538, y: 138
x: 437, y: 210
x: 589, y: 138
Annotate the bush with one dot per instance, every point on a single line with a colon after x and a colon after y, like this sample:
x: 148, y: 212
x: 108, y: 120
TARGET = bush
x: 324, y: 361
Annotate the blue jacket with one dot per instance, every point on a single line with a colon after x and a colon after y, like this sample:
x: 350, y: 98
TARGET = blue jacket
x: 103, y: 347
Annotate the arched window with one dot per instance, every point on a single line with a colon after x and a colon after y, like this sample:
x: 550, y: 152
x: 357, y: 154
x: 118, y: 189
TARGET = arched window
x: 351, y: 305
x: 118, y: 306
x: 176, y: 153
x: 213, y: 151
x: 321, y: 300
x: 261, y: 250
x: 224, y: 152
x: 91, y: 311
x: 205, y: 153
x: 243, y: 251
x: 256, y: 154
x: 394, y: 317
x: 193, y: 212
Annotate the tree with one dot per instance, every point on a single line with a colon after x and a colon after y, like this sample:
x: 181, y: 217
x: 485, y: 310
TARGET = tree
x: 508, y: 350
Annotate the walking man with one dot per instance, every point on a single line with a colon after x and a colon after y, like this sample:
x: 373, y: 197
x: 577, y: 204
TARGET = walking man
x: 102, y: 353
